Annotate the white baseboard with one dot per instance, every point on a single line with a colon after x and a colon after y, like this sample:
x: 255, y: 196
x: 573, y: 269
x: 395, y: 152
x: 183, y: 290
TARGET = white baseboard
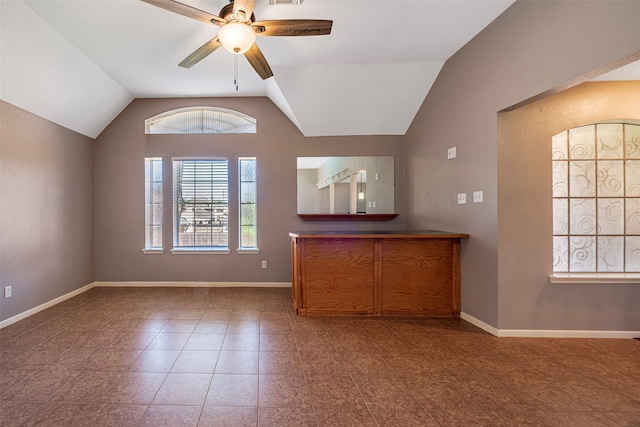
x: 194, y: 284
x: 547, y: 333
x: 44, y: 306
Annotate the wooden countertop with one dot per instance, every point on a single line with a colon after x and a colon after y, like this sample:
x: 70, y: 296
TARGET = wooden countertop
x: 395, y: 234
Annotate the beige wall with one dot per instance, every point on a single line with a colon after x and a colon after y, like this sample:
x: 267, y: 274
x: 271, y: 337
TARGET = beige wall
x: 527, y: 299
x: 532, y: 48
x: 46, y: 210
x: 119, y: 171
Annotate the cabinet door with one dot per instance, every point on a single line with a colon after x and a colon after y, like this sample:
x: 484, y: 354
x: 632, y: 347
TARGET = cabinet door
x: 339, y: 276
x: 417, y: 277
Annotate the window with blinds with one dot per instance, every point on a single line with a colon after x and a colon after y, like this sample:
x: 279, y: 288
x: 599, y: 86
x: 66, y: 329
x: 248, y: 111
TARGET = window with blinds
x: 248, y: 204
x: 201, y: 204
x: 153, y: 204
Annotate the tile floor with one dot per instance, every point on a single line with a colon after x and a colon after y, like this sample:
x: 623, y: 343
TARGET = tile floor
x: 241, y: 357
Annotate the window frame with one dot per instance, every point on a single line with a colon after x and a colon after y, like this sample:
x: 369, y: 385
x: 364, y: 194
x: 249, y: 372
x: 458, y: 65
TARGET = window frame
x: 242, y: 201
x: 153, y: 198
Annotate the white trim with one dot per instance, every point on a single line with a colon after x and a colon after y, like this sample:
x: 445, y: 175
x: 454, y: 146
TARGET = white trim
x: 248, y: 250
x: 203, y: 251
x: 546, y: 333
x: 142, y: 284
x: 46, y: 305
x: 594, y: 278
x: 479, y: 323
x: 153, y: 251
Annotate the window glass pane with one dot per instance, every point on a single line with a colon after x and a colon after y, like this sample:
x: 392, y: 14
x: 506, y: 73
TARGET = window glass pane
x: 560, y: 181
x: 610, y: 178
x: 560, y: 216
x: 198, y: 120
x: 582, y: 213
x: 610, y: 254
x: 200, y: 203
x: 248, y: 203
x: 632, y: 253
x: 610, y: 144
x: 560, y: 254
x: 582, y: 253
x: 559, y: 146
x: 632, y: 178
x: 153, y: 203
x: 582, y: 143
x: 632, y: 141
x: 610, y: 216
x: 633, y: 216
x: 582, y: 179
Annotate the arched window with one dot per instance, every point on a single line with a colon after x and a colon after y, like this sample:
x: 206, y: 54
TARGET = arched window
x: 200, y: 120
x: 596, y: 199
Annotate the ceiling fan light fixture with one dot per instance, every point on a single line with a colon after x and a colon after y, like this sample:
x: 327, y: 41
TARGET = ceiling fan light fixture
x: 236, y: 37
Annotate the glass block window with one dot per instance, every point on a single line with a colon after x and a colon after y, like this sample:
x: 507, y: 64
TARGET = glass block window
x: 199, y: 120
x: 596, y: 199
x: 248, y: 203
x: 153, y: 203
x: 200, y: 204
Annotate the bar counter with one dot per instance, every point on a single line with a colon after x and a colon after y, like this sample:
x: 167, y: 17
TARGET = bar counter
x: 376, y: 273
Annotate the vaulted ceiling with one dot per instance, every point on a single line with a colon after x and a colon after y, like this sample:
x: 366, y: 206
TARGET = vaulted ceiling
x: 79, y: 63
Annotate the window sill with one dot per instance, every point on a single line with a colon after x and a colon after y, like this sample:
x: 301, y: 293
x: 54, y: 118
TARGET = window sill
x: 200, y: 251
x: 248, y: 251
x: 594, y: 278
x: 153, y: 251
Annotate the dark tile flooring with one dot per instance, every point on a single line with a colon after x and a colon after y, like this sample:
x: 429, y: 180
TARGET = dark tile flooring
x: 238, y: 356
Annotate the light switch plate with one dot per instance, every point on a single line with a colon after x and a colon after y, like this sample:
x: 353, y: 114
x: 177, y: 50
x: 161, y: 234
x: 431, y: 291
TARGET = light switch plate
x: 478, y: 197
x: 462, y: 198
x: 451, y: 153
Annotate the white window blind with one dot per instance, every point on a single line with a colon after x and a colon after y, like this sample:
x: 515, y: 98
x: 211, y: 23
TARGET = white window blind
x: 199, y: 120
x: 201, y: 204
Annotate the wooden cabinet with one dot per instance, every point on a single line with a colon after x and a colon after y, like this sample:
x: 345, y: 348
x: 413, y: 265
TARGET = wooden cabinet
x: 414, y: 273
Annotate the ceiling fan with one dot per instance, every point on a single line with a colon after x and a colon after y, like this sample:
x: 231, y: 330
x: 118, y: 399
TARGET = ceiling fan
x: 239, y: 28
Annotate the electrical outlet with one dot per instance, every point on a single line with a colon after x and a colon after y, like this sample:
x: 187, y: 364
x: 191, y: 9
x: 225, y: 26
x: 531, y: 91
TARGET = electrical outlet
x: 462, y: 198
x: 7, y: 291
x: 478, y: 197
x: 451, y: 153
x: 264, y: 263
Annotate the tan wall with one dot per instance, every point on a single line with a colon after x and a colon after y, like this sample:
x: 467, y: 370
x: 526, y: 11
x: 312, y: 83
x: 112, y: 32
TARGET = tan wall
x: 46, y: 210
x: 527, y: 299
x: 120, y: 152
x: 533, y: 47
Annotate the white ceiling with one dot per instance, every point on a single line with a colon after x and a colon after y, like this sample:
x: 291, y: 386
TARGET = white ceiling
x: 79, y: 63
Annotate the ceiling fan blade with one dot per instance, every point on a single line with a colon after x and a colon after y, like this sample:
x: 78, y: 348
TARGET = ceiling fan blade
x: 183, y: 9
x: 245, y: 6
x: 258, y: 62
x: 293, y: 27
x: 201, y: 53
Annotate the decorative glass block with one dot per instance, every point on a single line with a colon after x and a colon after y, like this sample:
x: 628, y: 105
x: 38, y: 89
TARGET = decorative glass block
x: 632, y: 178
x: 582, y: 254
x: 247, y: 170
x: 560, y: 216
x: 560, y: 254
x: 610, y: 178
x: 632, y: 216
x: 582, y: 143
x: 560, y: 181
x: 248, y: 236
x: 248, y: 192
x: 632, y: 141
x: 610, y: 216
x: 248, y: 214
x: 610, y: 144
x: 559, y: 146
x: 611, y: 254
x: 632, y: 254
x: 582, y: 179
x: 583, y: 216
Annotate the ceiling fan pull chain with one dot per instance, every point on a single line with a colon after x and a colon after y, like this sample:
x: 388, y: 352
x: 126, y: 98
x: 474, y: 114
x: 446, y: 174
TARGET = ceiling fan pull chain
x: 235, y: 71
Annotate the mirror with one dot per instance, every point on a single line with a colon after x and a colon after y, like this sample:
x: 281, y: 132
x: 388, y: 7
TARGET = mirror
x: 345, y: 185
